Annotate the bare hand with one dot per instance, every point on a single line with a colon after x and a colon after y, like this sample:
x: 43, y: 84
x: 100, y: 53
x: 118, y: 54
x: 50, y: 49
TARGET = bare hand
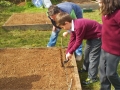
x: 68, y: 56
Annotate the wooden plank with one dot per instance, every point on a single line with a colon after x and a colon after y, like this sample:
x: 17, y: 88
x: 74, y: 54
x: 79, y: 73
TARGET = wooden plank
x: 74, y: 73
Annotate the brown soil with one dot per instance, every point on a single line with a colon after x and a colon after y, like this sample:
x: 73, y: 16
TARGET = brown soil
x: 28, y: 18
x: 37, y: 69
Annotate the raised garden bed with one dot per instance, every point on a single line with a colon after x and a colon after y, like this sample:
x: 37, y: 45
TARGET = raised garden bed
x: 37, y: 69
x: 25, y: 21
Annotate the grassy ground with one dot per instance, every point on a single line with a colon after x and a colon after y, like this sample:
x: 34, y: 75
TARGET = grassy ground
x: 36, y: 38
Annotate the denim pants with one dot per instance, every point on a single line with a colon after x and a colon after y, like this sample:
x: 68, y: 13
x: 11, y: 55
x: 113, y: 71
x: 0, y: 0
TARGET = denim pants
x: 53, y: 39
x: 108, y: 71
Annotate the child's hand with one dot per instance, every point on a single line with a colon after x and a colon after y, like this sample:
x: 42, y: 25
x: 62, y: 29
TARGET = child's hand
x: 65, y: 34
x: 68, y: 56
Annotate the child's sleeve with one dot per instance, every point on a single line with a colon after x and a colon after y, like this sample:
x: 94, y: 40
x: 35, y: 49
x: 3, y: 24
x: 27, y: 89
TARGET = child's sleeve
x: 72, y: 14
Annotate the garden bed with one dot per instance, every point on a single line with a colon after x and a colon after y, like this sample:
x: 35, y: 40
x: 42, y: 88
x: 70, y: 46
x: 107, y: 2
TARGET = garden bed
x: 37, y: 69
x: 28, y: 21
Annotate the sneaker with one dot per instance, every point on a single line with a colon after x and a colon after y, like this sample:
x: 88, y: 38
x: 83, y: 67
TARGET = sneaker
x: 78, y: 57
x: 89, y: 81
x: 82, y: 70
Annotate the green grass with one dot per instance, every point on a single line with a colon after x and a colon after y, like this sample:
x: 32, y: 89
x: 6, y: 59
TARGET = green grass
x: 27, y: 38
x: 37, y: 38
x: 94, y: 15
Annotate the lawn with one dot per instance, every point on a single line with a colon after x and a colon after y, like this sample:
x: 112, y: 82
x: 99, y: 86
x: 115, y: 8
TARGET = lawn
x: 37, y: 38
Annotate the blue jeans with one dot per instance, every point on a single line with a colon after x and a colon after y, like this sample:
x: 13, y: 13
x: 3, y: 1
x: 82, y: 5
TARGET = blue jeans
x: 53, y: 39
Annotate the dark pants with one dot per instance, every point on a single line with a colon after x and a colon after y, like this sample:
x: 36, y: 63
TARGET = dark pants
x: 92, y: 57
x: 108, y: 71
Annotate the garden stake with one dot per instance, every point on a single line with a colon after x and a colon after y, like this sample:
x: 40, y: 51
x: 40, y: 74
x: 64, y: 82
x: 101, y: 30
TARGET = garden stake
x: 62, y: 62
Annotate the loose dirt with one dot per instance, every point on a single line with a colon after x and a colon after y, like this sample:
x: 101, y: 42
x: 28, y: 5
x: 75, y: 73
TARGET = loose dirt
x: 27, y: 18
x: 37, y: 69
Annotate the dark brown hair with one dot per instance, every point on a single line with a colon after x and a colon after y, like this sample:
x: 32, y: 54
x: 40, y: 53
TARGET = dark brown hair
x: 62, y: 17
x: 109, y: 6
x: 53, y: 9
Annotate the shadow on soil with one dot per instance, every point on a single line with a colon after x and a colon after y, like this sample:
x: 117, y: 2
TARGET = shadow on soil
x: 14, y: 83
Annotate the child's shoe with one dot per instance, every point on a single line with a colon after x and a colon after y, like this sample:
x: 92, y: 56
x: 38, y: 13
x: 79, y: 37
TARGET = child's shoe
x: 89, y: 81
x: 82, y: 70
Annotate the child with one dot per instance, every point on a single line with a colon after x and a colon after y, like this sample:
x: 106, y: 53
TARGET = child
x: 75, y: 12
x: 110, y: 53
x: 83, y: 29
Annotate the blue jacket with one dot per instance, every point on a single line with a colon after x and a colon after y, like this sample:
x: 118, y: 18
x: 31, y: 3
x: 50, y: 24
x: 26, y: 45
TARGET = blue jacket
x: 68, y: 7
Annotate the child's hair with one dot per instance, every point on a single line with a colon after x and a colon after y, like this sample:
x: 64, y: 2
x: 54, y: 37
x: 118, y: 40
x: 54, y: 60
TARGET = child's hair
x: 62, y: 17
x: 109, y: 6
x: 53, y: 9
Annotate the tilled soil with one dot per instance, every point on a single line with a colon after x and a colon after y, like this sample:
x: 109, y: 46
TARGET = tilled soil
x: 27, y: 18
x: 37, y: 69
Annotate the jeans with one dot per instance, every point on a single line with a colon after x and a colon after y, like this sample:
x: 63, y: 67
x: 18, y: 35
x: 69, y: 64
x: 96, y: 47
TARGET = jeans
x: 53, y: 39
x: 79, y: 51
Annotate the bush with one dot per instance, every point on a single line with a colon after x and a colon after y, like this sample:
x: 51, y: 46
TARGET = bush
x: 29, y: 4
x: 4, y: 3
